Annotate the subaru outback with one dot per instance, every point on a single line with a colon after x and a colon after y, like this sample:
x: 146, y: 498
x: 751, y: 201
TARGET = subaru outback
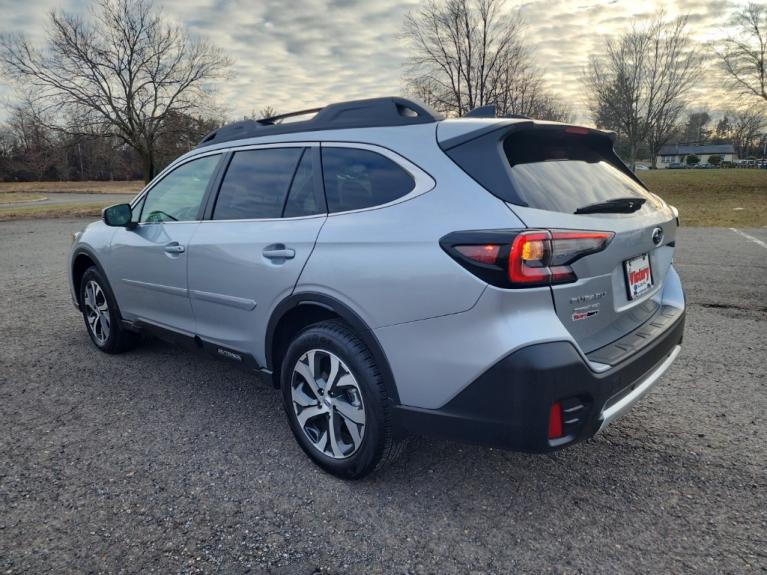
x: 502, y: 281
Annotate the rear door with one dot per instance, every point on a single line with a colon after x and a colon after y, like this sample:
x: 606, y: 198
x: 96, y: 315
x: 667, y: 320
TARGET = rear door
x: 556, y: 173
x: 248, y: 253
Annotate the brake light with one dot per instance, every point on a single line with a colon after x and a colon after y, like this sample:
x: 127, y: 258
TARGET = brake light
x: 543, y: 257
x: 576, y: 130
x: 528, y: 258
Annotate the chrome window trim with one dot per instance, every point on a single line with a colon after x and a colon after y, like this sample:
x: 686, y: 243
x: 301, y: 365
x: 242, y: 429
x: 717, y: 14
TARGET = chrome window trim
x: 423, y: 181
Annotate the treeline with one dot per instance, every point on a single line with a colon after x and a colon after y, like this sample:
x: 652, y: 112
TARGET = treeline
x: 32, y: 149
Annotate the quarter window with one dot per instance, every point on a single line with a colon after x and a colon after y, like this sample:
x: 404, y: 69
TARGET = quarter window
x: 256, y: 184
x: 356, y: 179
x: 177, y: 197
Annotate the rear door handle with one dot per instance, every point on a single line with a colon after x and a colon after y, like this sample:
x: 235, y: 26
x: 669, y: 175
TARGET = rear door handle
x: 279, y: 253
x: 174, y: 248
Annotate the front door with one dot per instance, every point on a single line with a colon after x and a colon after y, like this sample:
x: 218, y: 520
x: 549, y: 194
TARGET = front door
x: 148, y: 263
x: 249, y: 254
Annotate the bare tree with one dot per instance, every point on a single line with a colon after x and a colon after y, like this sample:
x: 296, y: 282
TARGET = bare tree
x: 743, y: 54
x: 123, y: 72
x: 642, y: 77
x: 665, y: 127
x: 748, y: 125
x: 470, y: 53
x: 266, y: 112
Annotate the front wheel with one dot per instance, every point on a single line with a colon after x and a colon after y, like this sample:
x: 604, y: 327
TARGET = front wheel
x: 336, y: 401
x: 101, y: 315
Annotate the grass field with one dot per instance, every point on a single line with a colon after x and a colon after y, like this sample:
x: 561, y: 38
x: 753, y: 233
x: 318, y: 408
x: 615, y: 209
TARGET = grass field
x: 727, y: 198
x: 132, y: 187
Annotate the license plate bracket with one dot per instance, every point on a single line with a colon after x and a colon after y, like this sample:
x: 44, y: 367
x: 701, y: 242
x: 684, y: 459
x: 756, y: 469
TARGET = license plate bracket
x: 638, y: 273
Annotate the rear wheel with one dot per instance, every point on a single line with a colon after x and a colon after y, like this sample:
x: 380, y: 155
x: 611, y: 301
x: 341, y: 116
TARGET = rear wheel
x: 336, y: 401
x: 101, y: 315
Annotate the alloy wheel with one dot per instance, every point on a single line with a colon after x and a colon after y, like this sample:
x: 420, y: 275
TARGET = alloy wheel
x: 328, y: 404
x: 97, y: 312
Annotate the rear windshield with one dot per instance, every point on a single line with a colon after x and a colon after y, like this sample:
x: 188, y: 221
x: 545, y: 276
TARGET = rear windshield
x: 561, y: 172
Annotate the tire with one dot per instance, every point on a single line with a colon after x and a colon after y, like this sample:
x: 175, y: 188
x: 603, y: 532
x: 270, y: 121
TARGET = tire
x: 347, y: 432
x: 103, y: 320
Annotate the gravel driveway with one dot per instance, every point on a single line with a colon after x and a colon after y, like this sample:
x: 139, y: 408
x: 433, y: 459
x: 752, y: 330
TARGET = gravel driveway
x: 163, y: 461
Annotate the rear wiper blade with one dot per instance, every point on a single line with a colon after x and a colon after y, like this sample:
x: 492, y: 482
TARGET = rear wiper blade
x: 614, y: 206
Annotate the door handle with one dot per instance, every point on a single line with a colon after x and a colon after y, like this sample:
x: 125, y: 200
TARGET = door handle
x: 174, y: 248
x: 279, y: 253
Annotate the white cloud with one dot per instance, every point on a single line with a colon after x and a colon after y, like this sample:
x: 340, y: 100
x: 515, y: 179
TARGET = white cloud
x: 303, y: 53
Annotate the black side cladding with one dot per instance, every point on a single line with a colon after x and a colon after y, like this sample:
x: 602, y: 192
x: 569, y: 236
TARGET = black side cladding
x: 482, y: 155
x: 371, y: 113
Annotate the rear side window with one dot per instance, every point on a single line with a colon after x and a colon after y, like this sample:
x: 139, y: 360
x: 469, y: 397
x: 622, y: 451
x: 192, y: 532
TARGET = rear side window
x: 356, y: 179
x: 256, y: 184
x: 561, y: 172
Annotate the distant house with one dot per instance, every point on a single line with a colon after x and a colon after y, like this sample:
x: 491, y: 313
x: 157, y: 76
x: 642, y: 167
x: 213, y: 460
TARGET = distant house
x: 677, y: 153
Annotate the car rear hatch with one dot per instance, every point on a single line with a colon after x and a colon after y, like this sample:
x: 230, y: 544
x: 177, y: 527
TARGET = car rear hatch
x: 566, y: 179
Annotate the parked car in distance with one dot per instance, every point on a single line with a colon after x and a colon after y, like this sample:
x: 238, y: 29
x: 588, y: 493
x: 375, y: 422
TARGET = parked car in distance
x: 495, y: 280
x: 677, y: 166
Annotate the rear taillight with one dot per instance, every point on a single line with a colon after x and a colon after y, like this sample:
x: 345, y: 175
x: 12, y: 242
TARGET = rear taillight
x: 529, y: 258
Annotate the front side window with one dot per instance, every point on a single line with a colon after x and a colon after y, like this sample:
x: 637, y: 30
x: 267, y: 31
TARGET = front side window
x: 177, y: 197
x: 256, y: 184
x: 356, y: 179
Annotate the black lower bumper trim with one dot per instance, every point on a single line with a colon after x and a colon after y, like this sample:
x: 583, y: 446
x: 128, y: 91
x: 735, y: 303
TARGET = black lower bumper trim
x: 508, y: 405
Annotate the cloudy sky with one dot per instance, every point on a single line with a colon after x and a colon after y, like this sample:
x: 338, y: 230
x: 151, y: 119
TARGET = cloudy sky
x: 293, y: 54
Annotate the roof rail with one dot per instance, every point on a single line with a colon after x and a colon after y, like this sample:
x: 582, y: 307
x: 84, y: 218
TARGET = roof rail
x: 371, y: 113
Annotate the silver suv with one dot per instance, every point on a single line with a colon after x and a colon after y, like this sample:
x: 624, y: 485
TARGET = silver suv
x: 503, y: 281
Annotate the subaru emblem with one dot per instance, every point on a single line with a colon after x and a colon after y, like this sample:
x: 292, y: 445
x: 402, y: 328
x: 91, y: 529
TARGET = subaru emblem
x: 657, y: 236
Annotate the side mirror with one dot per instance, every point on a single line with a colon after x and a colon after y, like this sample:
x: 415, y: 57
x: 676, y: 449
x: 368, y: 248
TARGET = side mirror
x: 118, y: 216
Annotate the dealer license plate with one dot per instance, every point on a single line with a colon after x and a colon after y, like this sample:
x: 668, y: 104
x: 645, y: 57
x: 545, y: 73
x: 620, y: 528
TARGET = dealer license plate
x: 638, y: 275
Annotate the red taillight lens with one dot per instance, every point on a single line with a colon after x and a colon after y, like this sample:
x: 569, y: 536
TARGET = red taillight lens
x: 487, y: 254
x: 555, y: 421
x: 527, y: 258
x: 542, y: 257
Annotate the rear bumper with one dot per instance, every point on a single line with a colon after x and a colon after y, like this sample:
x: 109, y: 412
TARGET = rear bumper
x: 508, y: 405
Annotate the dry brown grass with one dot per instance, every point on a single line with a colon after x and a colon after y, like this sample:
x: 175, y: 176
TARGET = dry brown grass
x: 53, y: 211
x: 19, y: 197
x: 131, y: 187
x: 727, y: 198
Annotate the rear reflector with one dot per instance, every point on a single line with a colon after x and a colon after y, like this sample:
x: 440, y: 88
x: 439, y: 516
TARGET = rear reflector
x: 555, y: 421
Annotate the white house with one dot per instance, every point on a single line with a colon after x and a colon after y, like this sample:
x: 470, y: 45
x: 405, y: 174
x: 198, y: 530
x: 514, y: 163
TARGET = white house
x: 677, y: 153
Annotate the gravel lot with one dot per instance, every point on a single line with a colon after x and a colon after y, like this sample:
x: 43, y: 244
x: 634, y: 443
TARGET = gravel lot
x: 163, y: 461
